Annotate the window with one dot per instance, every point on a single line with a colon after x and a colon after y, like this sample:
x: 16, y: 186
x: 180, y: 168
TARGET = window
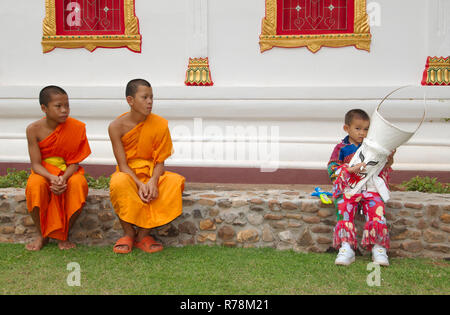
x: 90, y: 24
x: 315, y: 23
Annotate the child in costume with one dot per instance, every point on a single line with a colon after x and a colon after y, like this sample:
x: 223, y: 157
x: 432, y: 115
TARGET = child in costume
x: 344, y: 178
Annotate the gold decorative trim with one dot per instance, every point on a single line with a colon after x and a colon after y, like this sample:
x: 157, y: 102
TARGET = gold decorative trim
x: 131, y: 39
x: 437, y: 71
x: 360, y: 38
x: 198, y: 72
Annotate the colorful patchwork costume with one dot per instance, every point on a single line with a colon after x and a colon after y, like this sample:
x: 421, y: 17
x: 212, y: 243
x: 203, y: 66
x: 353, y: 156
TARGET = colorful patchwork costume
x: 371, y: 203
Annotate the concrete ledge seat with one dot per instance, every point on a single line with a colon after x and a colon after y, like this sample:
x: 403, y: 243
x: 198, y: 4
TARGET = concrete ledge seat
x: 280, y: 217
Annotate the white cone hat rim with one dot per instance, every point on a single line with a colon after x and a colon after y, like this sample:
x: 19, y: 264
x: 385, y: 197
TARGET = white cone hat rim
x: 386, y: 134
x: 391, y: 124
x: 402, y: 135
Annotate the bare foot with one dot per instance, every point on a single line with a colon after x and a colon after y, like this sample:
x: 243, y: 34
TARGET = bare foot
x: 66, y: 245
x: 37, y: 243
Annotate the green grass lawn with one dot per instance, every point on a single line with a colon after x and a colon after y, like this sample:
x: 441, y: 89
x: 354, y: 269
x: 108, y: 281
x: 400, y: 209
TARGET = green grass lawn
x: 208, y: 270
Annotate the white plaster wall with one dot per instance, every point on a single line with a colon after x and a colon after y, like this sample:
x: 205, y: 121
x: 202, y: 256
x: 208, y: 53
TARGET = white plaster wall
x: 396, y: 58
x: 299, y: 96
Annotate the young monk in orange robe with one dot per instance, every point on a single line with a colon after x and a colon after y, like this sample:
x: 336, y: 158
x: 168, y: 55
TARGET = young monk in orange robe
x: 142, y: 193
x: 56, y: 189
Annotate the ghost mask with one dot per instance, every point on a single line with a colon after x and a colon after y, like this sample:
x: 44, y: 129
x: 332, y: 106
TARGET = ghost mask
x: 375, y: 158
x: 382, y: 139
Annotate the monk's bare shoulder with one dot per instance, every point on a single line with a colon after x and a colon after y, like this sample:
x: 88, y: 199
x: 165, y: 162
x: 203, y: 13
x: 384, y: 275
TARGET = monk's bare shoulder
x: 118, y: 127
x: 35, y: 125
x: 34, y: 129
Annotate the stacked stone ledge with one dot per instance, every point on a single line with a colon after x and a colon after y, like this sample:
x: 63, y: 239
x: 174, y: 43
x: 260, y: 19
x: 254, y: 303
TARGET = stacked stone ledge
x: 419, y: 223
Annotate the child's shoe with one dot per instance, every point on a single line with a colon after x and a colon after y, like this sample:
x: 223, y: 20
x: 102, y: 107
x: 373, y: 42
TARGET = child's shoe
x: 346, y: 255
x: 379, y: 255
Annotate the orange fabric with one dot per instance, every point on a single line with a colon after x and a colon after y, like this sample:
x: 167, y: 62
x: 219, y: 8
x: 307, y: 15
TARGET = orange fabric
x: 68, y: 141
x: 145, y: 145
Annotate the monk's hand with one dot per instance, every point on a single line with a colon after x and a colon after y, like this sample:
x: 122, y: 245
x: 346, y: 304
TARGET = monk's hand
x: 152, y: 189
x: 62, y: 181
x: 360, y: 167
x: 144, y: 193
x: 54, y: 179
x: 58, y: 189
x: 58, y: 185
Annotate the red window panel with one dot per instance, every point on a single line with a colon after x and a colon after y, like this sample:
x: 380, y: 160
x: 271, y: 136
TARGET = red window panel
x: 306, y: 17
x: 89, y: 17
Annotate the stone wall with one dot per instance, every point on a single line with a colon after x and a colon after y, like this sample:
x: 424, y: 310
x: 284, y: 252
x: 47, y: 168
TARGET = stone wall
x: 419, y: 223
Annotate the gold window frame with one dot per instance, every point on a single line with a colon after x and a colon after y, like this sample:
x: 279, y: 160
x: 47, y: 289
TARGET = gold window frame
x: 360, y: 38
x: 130, y: 39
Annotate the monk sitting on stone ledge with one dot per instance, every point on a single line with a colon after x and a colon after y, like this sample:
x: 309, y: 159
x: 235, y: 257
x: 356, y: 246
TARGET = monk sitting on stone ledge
x: 142, y: 193
x: 56, y: 189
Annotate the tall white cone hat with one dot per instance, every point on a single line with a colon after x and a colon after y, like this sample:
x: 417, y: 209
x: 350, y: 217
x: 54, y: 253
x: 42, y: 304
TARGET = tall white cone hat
x: 382, y: 139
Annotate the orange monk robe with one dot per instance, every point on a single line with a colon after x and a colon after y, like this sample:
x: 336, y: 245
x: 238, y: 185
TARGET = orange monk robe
x: 68, y: 141
x: 147, y: 144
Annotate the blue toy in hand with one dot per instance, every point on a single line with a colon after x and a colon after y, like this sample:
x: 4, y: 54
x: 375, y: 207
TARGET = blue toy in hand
x: 323, y: 195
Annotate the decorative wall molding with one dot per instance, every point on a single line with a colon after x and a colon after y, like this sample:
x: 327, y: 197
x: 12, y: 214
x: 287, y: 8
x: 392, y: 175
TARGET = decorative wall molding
x: 197, y: 28
x: 198, y: 72
x: 234, y: 126
x: 437, y: 71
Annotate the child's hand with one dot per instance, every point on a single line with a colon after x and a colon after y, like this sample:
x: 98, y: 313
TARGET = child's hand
x: 360, y: 167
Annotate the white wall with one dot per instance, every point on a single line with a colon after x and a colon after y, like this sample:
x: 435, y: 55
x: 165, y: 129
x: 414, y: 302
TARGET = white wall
x: 396, y: 57
x: 300, y: 96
